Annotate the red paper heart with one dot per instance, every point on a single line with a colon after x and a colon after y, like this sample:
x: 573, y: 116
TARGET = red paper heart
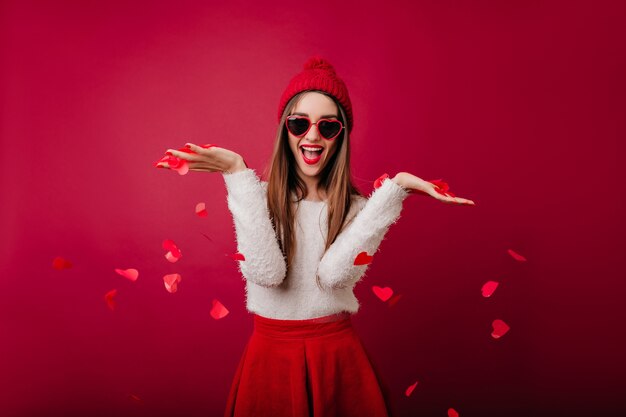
x: 135, y: 398
x: 218, y: 310
x: 500, y: 328
x: 60, y: 263
x: 394, y: 300
x: 238, y: 256
x: 379, y: 180
x: 201, y: 210
x: 177, y: 164
x: 410, y: 389
x: 488, y: 288
x: 131, y: 274
x: 171, y: 282
x: 516, y: 256
x: 382, y: 293
x: 108, y: 297
x: 452, y: 412
x: 363, y: 259
x: 174, y: 253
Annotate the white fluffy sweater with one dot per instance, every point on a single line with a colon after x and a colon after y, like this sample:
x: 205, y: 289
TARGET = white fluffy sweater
x: 270, y: 292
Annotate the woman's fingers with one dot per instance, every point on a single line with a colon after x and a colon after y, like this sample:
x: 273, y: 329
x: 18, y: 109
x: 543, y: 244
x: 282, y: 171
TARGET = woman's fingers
x: 183, y: 155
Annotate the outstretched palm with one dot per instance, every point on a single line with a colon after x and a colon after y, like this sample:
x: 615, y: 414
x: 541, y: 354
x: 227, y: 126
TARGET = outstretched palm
x: 436, y: 189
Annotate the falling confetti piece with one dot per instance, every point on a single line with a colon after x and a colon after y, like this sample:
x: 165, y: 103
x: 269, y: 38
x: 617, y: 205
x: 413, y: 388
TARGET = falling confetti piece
x: 218, y: 310
x: 238, y: 256
x: 135, y: 398
x: 488, y: 288
x: 516, y: 255
x: 363, y: 259
x: 500, y: 328
x: 173, y: 254
x: 394, y: 300
x: 177, y: 164
x: 452, y: 412
x: 60, y: 263
x: 131, y: 274
x: 201, y: 210
x: 379, y: 181
x: 108, y: 297
x: 171, y: 282
x: 382, y: 293
x: 410, y: 389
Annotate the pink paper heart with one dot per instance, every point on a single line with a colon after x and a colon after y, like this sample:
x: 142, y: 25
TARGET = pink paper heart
x: 516, y: 256
x: 131, y: 274
x: 452, y: 412
x: 363, y: 259
x: 201, y: 210
x: 218, y: 310
x: 108, y: 297
x: 60, y: 263
x: 500, y: 328
x: 382, y: 293
x: 410, y: 389
x: 488, y: 288
x: 171, y: 282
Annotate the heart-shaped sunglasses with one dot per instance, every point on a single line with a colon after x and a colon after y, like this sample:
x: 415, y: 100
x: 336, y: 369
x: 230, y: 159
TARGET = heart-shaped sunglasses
x: 300, y: 125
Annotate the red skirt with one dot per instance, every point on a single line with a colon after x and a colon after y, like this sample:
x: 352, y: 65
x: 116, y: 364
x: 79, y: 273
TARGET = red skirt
x: 306, y: 368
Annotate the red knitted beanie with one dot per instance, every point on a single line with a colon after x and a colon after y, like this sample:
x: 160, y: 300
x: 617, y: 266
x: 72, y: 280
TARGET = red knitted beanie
x: 318, y: 74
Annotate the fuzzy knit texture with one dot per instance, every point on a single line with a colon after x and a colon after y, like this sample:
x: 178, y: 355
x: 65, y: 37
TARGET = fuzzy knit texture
x: 270, y: 291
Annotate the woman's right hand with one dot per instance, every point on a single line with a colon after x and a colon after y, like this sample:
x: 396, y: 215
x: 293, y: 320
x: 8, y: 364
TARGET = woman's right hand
x: 211, y: 159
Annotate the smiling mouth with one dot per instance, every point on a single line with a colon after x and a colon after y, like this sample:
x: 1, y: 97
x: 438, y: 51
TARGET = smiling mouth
x: 311, y: 157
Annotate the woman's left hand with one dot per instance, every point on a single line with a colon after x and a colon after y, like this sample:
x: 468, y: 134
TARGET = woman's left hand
x: 415, y: 185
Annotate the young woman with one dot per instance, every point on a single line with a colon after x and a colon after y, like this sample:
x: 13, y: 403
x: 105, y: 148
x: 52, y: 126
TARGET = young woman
x: 302, y: 235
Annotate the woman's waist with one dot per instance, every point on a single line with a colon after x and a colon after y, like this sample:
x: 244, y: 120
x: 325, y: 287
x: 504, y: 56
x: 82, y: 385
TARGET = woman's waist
x: 288, y: 328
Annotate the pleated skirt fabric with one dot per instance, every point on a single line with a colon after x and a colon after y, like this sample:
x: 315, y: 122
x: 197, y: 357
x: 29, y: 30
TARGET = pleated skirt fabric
x: 307, y: 368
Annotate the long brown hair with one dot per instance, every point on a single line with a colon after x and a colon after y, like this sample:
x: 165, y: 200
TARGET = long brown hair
x: 283, y: 180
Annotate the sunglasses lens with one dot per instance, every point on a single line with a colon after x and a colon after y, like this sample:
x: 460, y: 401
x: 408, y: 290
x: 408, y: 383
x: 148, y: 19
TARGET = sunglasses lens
x: 329, y: 129
x: 297, y: 125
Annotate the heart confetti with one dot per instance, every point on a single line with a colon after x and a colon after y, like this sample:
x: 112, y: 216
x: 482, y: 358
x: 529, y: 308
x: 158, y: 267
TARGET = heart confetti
x: 452, y: 412
x: 173, y: 254
x: 394, y: 300
x: 60, y: 263
x: 410, y: 389
x: 500, y: 328
x: 177, y: 164
x: 108, y: 297
x: 442, y: 187
x: 201, y: 210
x: 488, y: 288
x: 379, y: 180
x: 516, y: 256
x: 131, y: 274
x: 238, y: 256
x: 171, y: 282
x: 382, y: 293
x: 135, y: 398
x: 218, y: 310
x: 363, y: 259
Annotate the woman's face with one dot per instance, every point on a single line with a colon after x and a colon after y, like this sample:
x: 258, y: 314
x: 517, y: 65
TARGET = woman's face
x: 315, y: 106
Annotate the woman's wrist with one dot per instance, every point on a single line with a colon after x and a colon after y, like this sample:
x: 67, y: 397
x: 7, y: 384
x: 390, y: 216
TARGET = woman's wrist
x: 239, y: 165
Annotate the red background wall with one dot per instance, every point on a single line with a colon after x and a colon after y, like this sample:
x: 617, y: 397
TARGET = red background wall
x: 518, y: 105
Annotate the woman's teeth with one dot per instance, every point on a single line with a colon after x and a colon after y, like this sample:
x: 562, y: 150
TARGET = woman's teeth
x: 311, y: 156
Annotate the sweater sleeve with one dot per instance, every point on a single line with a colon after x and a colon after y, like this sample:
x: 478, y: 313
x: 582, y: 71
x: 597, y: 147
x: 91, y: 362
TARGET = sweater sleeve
x: 264, y: 262
x: 364, y: 234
